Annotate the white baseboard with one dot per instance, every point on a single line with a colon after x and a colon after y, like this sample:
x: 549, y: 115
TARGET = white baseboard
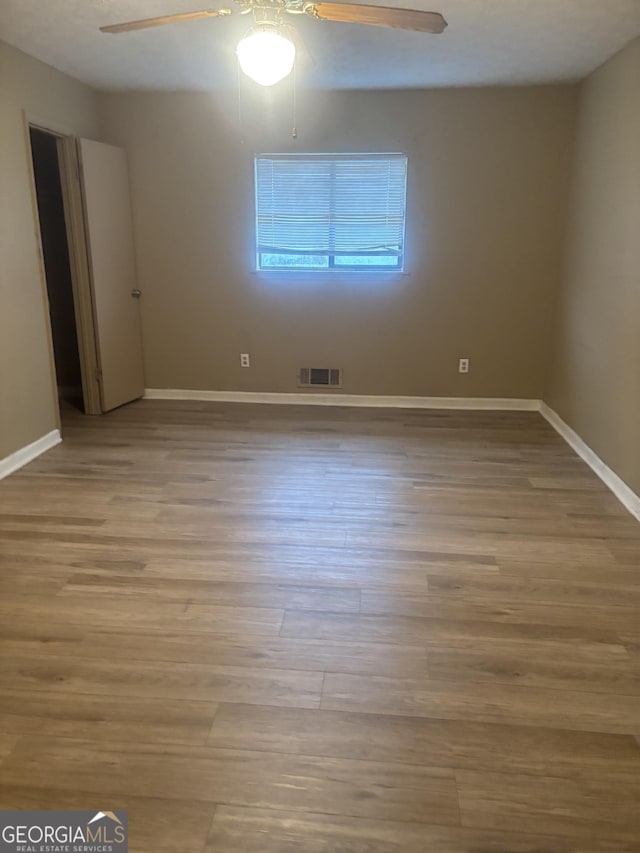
x: 625, y: 495
x: 27, y: 454
x: 358, y: 400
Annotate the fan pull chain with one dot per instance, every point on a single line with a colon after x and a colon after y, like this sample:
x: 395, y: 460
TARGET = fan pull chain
x: 240, y: 127
x: 294, y: 129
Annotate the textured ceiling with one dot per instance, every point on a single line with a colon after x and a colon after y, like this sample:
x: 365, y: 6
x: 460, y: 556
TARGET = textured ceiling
x: 487, y: 42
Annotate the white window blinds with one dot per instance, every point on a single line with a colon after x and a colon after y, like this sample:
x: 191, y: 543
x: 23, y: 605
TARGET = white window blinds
x: 322, y: 211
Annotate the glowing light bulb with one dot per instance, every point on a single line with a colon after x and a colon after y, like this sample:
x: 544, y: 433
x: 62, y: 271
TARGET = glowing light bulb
x: 266, y: 56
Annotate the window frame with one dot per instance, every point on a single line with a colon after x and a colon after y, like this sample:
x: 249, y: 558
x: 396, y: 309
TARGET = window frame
x: 332, y: 268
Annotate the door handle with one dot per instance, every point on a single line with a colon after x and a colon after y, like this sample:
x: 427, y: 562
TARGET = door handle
x: 136, y: 293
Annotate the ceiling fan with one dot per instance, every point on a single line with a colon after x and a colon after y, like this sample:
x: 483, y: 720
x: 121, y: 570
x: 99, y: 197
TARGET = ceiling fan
x: 267, y: 52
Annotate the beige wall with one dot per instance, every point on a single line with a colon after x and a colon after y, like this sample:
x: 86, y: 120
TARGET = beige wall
x: 488, y: 177
x: 594, y: 382
x: 27, y: 404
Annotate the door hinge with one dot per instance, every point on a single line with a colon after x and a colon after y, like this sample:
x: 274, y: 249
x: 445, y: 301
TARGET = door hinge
x: 98, y: 374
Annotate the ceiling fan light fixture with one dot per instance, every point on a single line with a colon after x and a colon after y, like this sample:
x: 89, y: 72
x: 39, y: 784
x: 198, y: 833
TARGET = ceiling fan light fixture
x: 266, y: 56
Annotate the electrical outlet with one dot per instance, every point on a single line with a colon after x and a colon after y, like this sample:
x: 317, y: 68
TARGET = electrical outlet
x: 463, y: 365
x: 244, y: 359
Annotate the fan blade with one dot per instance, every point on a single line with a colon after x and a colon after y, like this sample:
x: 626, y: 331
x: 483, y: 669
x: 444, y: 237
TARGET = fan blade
x: 379, y: 16
x: 165, y: 19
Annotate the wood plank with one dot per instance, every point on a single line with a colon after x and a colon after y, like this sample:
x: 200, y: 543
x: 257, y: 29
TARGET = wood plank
x: 222, y: 593
x: 594, y: 668
x: 510, y: 608
x: 574, y: 571
x: 249, y: 651
x: 162, y: 680
x: 547, y: 590
x: 487, y: 703
x: 386, y: 790
x: 117, y: 612
x: 102, y: 718
x: 594, y: 808
x: 7, y: 742
x: 332, y: 734
x: 419, y: 740
x: 538, y: 751
x: 374, y: 628
x: 248, y: 830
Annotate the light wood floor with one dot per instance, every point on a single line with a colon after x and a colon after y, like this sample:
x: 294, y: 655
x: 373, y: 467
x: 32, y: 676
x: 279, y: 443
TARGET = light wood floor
x: 305, y: 630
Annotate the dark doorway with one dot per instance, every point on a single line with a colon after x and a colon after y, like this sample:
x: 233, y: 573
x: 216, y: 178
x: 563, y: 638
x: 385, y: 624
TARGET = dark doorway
x: 55, y: 249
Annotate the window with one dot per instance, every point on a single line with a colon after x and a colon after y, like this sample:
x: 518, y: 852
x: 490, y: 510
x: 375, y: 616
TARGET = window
x: 330, y: 211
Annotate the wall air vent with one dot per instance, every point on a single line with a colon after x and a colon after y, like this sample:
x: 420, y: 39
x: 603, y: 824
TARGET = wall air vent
x: 320, y: 377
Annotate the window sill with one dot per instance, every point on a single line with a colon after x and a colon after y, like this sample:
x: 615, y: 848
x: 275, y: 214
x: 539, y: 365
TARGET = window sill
x: 330, y: 273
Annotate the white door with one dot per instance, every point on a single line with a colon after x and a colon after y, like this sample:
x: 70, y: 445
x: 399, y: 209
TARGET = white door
x: 109, y: 227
